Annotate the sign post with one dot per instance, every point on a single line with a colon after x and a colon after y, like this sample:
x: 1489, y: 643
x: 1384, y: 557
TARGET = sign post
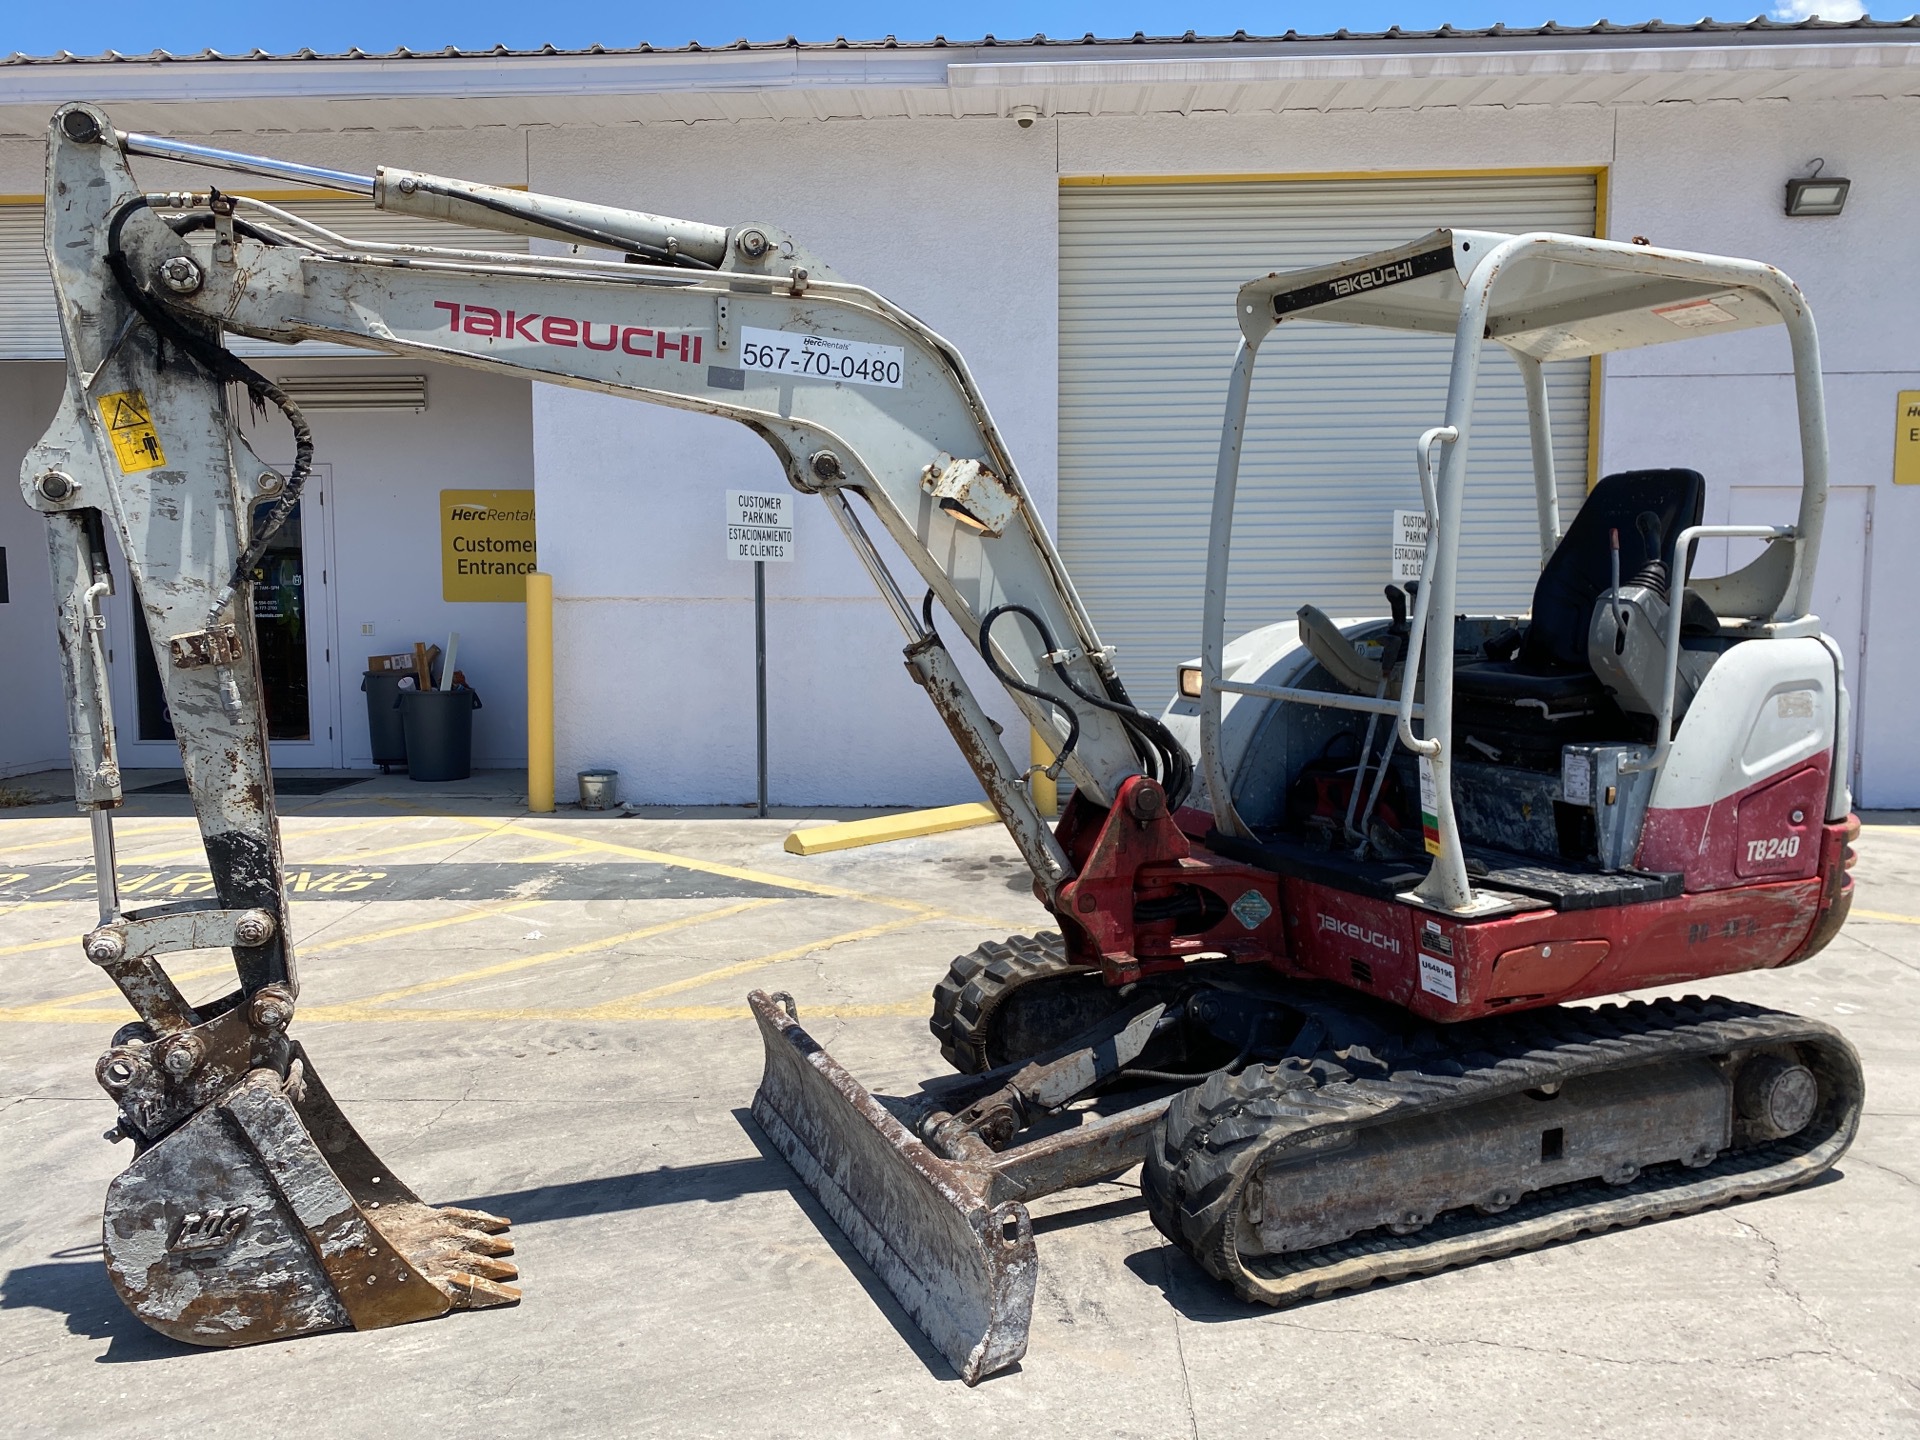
x: 760, y: 529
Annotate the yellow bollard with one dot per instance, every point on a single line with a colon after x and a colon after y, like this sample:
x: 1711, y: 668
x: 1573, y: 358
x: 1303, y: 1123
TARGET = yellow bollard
x: 1046, y: 792
x: 540, y: 693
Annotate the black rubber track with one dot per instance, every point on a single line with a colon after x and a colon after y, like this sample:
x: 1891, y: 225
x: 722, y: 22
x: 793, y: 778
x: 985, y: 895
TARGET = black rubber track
x: 1216, y: 1136
x: 979, y: 982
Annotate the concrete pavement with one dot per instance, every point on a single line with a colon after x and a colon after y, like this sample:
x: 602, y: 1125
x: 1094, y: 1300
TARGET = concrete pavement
x: 543, y: 1017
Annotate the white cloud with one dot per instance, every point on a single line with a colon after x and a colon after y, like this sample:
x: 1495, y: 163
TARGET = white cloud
x: 1822, y: 9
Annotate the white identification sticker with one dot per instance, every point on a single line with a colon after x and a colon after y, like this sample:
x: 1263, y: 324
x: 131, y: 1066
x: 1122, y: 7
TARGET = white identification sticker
x: 1695, y: 314
x: 1436, y: 978
x: 821, y: 357
x: 1576, y: 778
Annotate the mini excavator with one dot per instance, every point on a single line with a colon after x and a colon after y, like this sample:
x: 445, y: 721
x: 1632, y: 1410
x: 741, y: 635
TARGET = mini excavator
x: 1322, y: 923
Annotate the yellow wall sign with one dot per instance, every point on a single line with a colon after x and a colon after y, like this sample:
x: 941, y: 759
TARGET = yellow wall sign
x: 130, y: 427
x: 486, y: 544
x: 1906, y: 439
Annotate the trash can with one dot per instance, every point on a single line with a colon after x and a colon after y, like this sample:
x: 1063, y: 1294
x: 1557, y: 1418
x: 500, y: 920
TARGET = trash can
x: 439, y: 726
x: 384, y: 729
x: 599, y: 789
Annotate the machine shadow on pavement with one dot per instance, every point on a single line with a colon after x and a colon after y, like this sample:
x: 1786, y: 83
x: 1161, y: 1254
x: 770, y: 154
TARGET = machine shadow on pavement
x: 883, y: 1299
x: 74, y: 1283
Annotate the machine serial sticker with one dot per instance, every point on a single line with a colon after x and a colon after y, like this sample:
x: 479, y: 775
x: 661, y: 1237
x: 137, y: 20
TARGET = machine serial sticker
x: 1435, y: 939
x: 1436, y: 978
x: 1695, y: 314
x: 130, y: 427
x: 822, y: 357
x: 1252, y: 909
x: 1576, y: 778
x: 1429, y: 807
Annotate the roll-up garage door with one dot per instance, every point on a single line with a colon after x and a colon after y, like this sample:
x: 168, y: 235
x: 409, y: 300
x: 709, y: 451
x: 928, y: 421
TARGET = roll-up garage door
x: 1147, y: 335
x: 30, y: 328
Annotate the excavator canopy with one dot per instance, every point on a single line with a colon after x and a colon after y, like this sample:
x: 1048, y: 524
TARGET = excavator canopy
x: 1551, y: 302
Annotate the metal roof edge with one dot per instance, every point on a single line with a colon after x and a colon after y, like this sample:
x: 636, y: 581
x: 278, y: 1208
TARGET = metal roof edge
x: 1760, y: 30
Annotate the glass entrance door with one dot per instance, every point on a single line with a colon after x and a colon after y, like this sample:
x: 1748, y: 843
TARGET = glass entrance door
x: 292, y: 619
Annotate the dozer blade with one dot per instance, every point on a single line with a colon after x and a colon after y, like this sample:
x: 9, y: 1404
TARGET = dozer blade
x: 964, y: 1269
x: 267, y: 1216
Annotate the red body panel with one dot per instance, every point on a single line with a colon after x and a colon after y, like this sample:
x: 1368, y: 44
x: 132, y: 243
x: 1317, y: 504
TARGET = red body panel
x: 1751, y: 835
x: 1134, y: 860
x: 1446, y: 970
x: 1133, y: 857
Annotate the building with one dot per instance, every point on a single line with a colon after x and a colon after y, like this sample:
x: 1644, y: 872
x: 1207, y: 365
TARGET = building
x: 1074, y: 216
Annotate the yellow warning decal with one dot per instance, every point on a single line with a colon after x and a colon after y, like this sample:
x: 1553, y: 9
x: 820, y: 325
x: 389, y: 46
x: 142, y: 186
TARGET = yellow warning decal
x: 130, y: 428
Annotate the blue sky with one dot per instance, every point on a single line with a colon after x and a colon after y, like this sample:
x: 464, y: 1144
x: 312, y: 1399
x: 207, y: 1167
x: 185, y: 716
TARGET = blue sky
x: 184, y: 26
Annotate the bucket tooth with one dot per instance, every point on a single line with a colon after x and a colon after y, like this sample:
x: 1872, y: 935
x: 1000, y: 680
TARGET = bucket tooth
x: 266, y: 1216
x: 962, y: 1268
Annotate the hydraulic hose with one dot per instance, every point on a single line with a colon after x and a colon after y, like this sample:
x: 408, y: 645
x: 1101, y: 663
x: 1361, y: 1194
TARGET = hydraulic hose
x: 222, y: 365
x: 1161, y: 755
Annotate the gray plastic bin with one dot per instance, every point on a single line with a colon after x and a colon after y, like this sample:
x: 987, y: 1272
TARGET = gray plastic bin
x: 439, y: 726
x: 385, y: 732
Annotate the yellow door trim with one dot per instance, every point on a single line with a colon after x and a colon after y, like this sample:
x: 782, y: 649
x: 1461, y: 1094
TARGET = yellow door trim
x: 1518, y: 172
x: 1597, y: 365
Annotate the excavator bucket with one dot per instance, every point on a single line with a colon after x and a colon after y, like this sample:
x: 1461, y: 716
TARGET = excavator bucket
x: 964, y: 1269
x: 266, y: 1216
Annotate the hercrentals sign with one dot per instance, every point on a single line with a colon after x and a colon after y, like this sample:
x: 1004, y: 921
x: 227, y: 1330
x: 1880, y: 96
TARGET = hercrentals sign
x: 487, y: 546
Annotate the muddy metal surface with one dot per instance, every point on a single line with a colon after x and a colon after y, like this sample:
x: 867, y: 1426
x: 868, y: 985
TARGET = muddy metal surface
x: 545, y: 1019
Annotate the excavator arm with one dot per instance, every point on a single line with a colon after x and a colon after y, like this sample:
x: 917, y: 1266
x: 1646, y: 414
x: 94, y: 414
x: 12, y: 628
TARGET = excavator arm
x: 252, y: 1209
x: 855, y: 396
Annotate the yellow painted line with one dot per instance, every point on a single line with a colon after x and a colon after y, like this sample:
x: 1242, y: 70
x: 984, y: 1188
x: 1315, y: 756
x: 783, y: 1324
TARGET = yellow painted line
x: 355, y: 857
x: 343, y: 943
x: 59, y: 944
x: 627, y: 1007
x: 26, y: 905
x: 732, y: 872
x: 353, y: 1008
x: 625, y: 1004
x: 812, y: 1012
x: 47, y: 1015
x: 1887, y: 915
x: 819, y: 839
x: 198, y: 852
x: 84, y: 838
x: 418, y: 927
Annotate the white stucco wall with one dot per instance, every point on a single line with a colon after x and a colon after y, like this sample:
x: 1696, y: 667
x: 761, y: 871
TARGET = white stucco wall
x: 387, y: 471
x: 1711, y: 178
x: 957, y: 221
x: 654, y: 627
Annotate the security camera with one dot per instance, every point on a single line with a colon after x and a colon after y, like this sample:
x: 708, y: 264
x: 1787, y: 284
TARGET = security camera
x: 1025, y: 115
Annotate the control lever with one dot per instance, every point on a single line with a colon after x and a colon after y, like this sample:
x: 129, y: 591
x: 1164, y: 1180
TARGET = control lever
x: 1653, y: 571
x: 1613, y: 594
x: 1392, y: 650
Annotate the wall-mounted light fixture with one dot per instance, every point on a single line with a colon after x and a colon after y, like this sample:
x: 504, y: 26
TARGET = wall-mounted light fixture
x: 1817, y: 194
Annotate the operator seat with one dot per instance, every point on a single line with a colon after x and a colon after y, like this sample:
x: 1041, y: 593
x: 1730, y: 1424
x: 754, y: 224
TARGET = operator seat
x: 1548, y: 688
